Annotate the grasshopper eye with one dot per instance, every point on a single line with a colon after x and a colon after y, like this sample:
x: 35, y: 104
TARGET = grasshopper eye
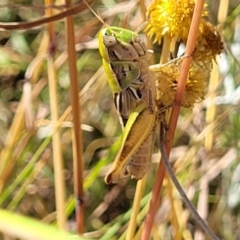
x: 109, y: 41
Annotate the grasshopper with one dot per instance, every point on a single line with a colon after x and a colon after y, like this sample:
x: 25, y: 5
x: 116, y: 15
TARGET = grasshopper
x: 124, y: 57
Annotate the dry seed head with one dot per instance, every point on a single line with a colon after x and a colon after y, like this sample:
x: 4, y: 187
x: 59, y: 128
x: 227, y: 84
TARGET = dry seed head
x: 166, y: 83
x: 202, y: 54
x: 212, y: 37
x: 208, y: 46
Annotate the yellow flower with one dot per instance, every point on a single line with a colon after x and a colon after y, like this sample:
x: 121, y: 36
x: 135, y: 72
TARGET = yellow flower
x: 170, y: 18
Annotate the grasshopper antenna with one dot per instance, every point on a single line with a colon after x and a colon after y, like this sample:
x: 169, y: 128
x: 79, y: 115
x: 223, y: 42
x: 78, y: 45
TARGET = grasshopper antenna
x: 173, y: 178
x: 141, y: 27
x: 95, y: 14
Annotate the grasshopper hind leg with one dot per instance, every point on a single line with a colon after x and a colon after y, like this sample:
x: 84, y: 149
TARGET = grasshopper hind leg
x: 141, y: 160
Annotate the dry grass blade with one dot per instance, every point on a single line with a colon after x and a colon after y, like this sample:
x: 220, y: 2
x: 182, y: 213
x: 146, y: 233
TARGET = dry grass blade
x: 77, y: 134
x: 27, y: 25
x: 136, y: 206
x: 56, y: 139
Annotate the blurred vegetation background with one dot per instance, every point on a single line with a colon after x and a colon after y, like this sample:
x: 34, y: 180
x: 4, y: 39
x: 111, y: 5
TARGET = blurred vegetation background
x: 27, y: 180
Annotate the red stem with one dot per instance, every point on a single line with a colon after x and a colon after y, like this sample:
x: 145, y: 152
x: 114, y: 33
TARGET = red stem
x: 193, y: 32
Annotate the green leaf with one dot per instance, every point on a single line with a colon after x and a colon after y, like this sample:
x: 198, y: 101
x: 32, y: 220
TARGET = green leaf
x: 25, y: 227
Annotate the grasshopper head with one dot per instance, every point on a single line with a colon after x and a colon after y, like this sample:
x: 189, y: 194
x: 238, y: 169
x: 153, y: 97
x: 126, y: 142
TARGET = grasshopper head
x: 122, y: 34
x: 108, y: 37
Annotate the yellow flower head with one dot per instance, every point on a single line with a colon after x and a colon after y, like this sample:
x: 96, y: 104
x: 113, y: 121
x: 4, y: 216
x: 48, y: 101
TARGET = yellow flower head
x: 171, y: 18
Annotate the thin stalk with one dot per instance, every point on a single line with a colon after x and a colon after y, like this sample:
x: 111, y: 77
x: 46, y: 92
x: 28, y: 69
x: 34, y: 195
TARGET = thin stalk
x: 77, y: 134
x: 135, y: 209
x: 223, y: 10
x: 165, y: 50
x: 174, y: 219
x: 174, y: 116
x: 60, y: 16
x: 57, y: 149
x: 56, y: 138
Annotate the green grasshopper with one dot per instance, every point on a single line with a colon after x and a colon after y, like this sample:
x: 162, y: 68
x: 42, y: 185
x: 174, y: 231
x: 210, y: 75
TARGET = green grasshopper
x: 124, y: 56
